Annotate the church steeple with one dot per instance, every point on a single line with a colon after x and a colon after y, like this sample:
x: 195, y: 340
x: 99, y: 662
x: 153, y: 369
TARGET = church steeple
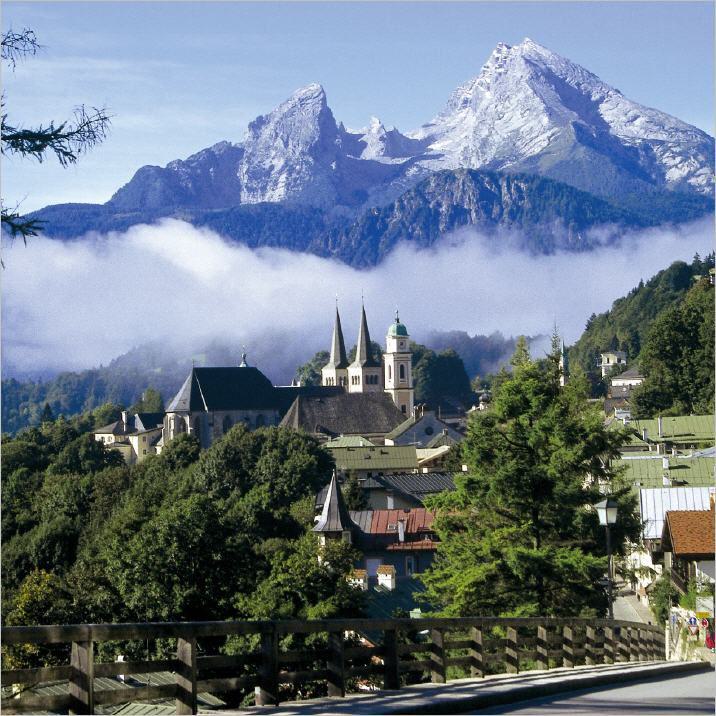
x: 365, y: 374
x: 364, y: 354
x: 563, y: 365
x: 335, y: 372
x: 338, y: 358
x: 335, y: 520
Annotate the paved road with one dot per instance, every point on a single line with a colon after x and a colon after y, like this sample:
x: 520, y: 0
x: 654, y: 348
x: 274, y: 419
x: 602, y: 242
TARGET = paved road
x: 690, y: 694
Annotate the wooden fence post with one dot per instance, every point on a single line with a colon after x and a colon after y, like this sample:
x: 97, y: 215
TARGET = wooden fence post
x: 589, y: 647
x: 622, y: 644
x: 266, y: 693
x: 609, y: 656
x: 477, y: 667
x: 641, y: 644
x: 391, y: 660
x: 438, y: 670
x: 82, y: 680
x: 568, y: 647
x: 542, y: 647
x: 336, y: 664
x: 512, y: 659
x: 633, y: 644
x: 186, y: 676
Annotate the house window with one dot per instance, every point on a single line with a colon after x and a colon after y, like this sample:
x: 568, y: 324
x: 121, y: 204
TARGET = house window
x: 410, y: 565
x: 402, y: 373
x: 390, y: 372
x: 403, y: 409
x: 144, y: 452
x: 144, y: 438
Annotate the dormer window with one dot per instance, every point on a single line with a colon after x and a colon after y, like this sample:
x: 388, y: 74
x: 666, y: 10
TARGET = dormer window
x: 392, y: 526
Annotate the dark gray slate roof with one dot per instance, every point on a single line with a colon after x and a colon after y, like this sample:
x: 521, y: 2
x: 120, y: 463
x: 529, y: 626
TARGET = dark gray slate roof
x: 238, y: 388
x: 334, y: 516
x: 344, y: 414
x: 148, y: 421
x: 417, y: 485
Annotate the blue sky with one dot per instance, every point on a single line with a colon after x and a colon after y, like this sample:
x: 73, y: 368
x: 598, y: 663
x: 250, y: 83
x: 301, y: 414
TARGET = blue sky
x: 181, y: 76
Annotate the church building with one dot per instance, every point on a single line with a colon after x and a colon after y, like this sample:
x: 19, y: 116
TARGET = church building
x: 367, y: 375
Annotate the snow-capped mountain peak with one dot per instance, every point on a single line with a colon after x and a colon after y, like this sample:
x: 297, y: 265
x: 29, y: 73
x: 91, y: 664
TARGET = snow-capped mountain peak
x: 533, y: 110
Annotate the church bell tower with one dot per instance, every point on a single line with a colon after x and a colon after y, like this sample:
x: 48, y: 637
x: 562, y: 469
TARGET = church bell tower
x: 398, y: 368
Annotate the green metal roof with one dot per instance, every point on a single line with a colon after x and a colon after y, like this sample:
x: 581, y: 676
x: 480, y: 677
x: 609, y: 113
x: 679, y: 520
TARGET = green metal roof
x: 682, y: 471
x: 682, y: 429
x: 349, y: 441
x: 376, y: 458
x: 398, y: 329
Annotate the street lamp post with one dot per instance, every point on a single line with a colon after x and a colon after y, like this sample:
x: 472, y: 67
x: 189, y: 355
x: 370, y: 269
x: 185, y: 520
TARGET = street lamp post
x: 607, y: 511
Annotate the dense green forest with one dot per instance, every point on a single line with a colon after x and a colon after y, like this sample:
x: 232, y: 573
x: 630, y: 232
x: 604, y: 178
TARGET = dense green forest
x: 677, y: 358
x: 626, y: 325
x: 220, y: 534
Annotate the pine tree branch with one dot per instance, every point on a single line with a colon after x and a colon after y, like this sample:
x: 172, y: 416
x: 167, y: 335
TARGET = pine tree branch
x: 67, y: 140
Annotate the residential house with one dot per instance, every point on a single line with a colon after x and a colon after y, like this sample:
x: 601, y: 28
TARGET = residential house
x: 399, y: 539
x: 688, y: 546
x: 610, y: 360
x: 422, y: 429
x: 374, y: 460
x: 134, y: 436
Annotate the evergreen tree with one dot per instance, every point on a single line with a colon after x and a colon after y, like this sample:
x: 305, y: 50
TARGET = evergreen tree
x: 353, y: 495
x: 519, y: 535
x: 47, y: 416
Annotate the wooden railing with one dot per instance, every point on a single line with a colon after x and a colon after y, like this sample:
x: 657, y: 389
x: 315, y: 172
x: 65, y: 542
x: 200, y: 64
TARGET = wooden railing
x: 394, y: 650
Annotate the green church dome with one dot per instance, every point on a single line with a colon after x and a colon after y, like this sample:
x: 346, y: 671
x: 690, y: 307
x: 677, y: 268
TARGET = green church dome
x: 397, y: 328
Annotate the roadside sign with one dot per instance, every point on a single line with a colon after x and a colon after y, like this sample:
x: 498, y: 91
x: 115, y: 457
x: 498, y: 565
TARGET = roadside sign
x: 704, y: 623
x: 703, y: 615
x: 693, y: 621
x: 693, y: 629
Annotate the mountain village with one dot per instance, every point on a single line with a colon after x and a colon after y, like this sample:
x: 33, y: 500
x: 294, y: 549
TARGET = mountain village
x: 363, y: 532
x: 365, y: 415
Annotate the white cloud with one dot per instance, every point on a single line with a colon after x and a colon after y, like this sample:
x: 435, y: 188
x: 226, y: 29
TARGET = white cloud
x: 70, y: 305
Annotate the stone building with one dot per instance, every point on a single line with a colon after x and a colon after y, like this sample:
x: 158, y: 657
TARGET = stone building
x: 366, y: 374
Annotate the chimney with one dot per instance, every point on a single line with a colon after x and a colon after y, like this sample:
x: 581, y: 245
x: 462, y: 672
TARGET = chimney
x: 386, y: 576
x: 645, y: 435
x: 359, y: 578
x: 125, y: 419
x: 401, y: 530
x: 660, y: 423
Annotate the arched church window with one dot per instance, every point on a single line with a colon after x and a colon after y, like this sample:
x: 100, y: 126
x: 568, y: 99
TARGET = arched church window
x: 402, y: 371
x: 227, y: 423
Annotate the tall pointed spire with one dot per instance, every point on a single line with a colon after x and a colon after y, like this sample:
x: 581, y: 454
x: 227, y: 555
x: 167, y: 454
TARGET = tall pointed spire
x: 338, y: 358
x: 334, y: 516
x: 364, y: 354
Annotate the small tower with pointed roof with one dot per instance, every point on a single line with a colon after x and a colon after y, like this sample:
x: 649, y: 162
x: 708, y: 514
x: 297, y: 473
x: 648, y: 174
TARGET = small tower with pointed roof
x: 365, y: 374
x: 397, y: 361
x: 335, y: 372
x: 335, y: 521
x: 563, y: 366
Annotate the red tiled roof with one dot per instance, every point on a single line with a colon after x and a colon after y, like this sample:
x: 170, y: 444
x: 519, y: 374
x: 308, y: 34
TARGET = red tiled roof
x: 416, y: 520
x: 691, y: 533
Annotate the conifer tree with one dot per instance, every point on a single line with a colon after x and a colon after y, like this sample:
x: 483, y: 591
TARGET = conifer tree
x: 519, y: 535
